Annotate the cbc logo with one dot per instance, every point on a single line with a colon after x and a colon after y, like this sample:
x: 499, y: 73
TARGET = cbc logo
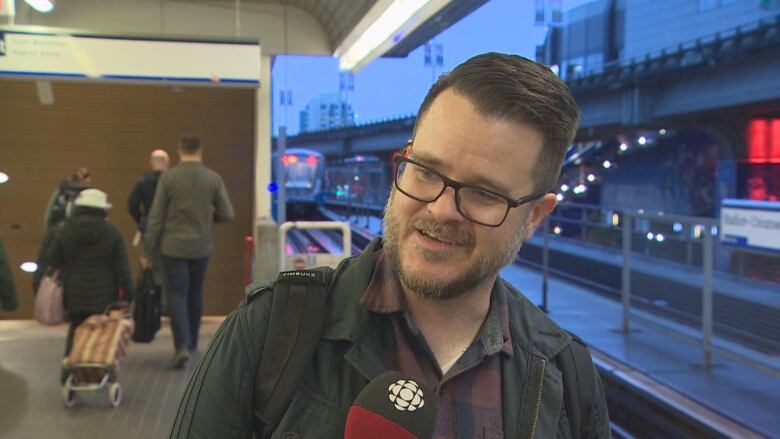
x: 406, y: 395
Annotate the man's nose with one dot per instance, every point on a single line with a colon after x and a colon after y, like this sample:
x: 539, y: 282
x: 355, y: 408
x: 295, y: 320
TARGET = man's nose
x: 444, y: 209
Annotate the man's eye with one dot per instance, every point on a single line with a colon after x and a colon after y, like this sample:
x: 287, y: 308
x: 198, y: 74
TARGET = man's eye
x: 425, y: 174
x: 484, y: 197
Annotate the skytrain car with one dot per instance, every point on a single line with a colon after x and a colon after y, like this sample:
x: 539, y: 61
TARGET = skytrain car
x: 359, y: 180
x: 303, y: 173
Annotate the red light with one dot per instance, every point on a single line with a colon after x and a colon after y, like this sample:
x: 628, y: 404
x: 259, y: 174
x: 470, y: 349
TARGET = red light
x: 757, y: 140
x: 312, y: 160
x: 763, y: 141
x: 773, y: 152
x: 290, y: 159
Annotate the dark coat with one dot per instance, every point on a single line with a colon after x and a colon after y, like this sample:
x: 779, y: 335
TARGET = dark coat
x: 8, y: 299
x: 139, y: 202
x: 91, y: 255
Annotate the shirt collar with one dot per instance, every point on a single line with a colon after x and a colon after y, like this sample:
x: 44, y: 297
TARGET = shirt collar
x: 384, y: 296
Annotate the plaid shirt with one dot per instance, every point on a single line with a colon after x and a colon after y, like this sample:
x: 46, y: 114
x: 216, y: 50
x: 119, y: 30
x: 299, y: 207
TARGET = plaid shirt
x: 469, y: 394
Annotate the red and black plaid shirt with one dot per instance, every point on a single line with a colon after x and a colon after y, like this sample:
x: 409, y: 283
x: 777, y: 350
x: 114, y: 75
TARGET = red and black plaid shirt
x: 469, y: 394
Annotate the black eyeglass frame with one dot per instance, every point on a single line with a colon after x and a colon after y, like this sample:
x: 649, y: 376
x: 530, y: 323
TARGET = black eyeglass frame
x: 511, y: 203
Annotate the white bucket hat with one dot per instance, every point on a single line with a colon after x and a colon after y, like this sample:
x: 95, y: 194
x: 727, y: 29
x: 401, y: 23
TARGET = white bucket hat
x: 93, y: 198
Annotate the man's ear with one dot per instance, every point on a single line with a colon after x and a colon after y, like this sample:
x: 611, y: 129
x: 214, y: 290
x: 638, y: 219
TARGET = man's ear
x: 541, y: 208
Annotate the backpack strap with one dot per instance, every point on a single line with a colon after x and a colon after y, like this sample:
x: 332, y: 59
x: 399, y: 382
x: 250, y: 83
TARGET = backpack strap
x: 296, y: 323
x: 579, y: 384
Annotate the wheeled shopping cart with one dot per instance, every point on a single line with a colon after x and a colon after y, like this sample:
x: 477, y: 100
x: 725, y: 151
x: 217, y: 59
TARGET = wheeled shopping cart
x: 99, y: 346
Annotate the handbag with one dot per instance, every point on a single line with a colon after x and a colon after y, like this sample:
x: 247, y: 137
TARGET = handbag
x: 146, y: 313
x: 49, y: 305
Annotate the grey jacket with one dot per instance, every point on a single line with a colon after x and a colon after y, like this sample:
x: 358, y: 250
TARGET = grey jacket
x: 217, y: 401
x: 189, y: 199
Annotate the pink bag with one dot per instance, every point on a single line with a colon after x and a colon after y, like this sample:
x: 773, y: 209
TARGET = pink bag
x: 49, y: 305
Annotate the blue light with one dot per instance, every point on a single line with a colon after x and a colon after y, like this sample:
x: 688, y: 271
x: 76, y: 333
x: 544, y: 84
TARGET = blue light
x: 273, y: 187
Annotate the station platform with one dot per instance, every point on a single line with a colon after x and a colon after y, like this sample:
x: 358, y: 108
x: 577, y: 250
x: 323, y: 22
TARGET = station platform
x: 744, y: 399
x: 31, y: 405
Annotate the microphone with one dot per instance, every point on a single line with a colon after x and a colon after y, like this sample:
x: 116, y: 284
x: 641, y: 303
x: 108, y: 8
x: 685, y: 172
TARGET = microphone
x: 392, y: 406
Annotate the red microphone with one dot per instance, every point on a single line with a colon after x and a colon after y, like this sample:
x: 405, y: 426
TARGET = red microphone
x: 392, y: 406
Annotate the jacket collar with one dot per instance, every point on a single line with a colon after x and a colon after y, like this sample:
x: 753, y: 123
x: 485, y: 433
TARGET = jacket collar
x: 347, y: 319
x: 530, y: 329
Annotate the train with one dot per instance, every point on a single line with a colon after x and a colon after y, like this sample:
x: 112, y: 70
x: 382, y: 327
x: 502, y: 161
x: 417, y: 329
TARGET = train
x: 312, y: 181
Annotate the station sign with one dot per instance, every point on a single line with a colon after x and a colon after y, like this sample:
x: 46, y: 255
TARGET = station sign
x: 751, y: 224
x: 128, y: 59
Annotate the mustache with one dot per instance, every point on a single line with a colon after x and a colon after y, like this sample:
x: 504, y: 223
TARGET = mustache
x: 449, y: 232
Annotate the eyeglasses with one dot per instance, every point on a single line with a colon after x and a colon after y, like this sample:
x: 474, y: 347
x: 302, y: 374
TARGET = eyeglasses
x: 478, y: 205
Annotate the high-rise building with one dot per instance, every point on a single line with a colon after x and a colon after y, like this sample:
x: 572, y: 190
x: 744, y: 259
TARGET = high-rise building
x: 326, y: 111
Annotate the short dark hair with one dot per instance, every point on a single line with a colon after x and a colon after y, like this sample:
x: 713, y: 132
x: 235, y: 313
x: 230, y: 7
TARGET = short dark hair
x: 190, y: 144
x: 515, y: 88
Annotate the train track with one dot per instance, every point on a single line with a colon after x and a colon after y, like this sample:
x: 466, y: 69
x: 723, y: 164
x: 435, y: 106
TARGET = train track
x: 639, y: 406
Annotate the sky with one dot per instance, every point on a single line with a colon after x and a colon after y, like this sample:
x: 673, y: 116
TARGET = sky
x: 393, y: 87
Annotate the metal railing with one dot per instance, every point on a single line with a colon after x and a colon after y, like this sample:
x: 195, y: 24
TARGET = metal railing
x: 722, y: 47
x: 670, y: 272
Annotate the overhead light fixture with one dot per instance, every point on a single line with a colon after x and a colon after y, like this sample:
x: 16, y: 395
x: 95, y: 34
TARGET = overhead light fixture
x: 41, y: 5
x: 29, y: 267
x: 385, y: 24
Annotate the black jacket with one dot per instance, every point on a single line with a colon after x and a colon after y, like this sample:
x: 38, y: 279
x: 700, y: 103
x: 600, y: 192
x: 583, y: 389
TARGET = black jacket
x: 139, y: 203
x: 8, y: 299
x: 92, y: 258
x: 61, y: 199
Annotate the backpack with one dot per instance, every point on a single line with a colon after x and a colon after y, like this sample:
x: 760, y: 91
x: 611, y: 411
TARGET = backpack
x: 66, y: 195
x: 300, y: 296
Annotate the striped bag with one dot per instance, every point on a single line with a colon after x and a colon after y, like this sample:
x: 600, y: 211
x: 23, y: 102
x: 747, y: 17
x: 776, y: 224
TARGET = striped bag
x: 102, y: 341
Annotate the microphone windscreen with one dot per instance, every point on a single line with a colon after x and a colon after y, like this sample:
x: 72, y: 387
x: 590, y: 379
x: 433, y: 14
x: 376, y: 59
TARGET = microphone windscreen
x: 392, y: 406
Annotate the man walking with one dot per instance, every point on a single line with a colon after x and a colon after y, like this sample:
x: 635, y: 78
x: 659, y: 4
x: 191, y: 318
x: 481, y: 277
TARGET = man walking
x: 189, y: 199
x: 139, y: 204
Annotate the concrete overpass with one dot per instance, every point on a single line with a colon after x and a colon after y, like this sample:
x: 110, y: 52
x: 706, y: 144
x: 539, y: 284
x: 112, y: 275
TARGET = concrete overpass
x: 716, y: 84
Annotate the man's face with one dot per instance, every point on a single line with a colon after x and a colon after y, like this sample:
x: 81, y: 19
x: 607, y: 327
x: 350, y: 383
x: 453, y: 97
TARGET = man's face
x: 435, y: 250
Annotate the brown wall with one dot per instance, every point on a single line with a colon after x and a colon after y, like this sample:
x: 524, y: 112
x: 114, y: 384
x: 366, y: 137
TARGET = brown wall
x: 111, y: 129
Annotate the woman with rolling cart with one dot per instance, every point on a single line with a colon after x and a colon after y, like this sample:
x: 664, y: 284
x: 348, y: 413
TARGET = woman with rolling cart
x: 92, y: 259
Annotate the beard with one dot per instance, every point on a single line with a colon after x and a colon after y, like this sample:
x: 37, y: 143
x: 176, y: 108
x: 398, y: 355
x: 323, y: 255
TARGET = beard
x: 486, y: 266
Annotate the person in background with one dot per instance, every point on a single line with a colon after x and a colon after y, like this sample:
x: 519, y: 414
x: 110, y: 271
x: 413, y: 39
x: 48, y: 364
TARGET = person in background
x: 62, y: 198
x: 90, y: 254
x: 58, y: 208
x: 8, y: 299
x: 139, y: 204
x: 190, y: 198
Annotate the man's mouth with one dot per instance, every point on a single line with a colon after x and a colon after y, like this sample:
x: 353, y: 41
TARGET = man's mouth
x: 440, y: 238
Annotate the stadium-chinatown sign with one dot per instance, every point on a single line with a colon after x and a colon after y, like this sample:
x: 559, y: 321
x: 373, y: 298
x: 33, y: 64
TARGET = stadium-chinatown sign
x: 751, y: 224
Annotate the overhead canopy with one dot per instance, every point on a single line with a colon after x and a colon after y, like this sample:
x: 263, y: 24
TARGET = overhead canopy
x: 312, y: 27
